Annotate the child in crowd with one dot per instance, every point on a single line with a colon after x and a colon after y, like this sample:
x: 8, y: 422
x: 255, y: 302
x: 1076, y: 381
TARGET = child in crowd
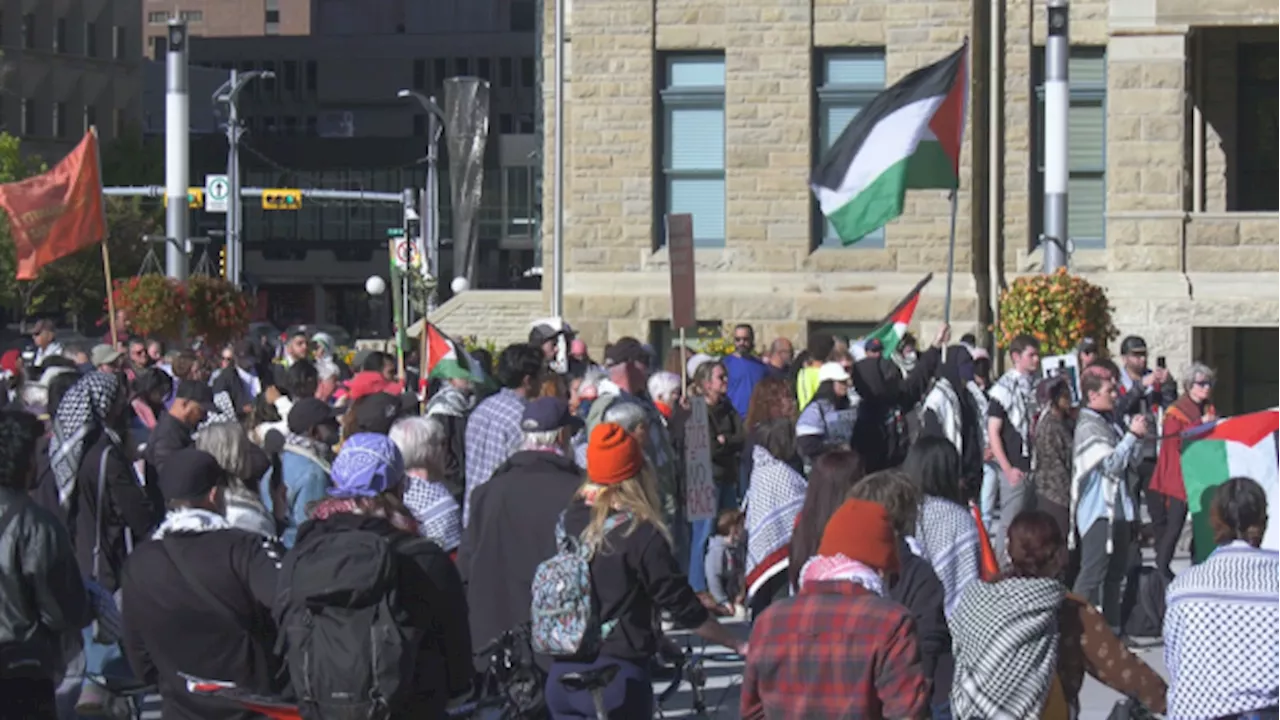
x: 725, y: 561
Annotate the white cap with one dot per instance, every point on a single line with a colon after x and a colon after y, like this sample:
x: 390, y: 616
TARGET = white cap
x: 832, y: 371
x: 694, y: 362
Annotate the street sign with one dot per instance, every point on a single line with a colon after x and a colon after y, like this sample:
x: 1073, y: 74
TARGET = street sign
x: 406, y: 255
x: 217, y: 192
x: 395, y: 232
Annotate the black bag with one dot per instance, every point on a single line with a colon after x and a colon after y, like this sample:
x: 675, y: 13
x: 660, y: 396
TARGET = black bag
x: 343, y: 633
x: 1147, y: 617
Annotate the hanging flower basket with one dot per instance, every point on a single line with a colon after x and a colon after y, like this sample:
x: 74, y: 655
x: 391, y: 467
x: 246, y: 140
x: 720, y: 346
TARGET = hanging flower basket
x: 1058, y: 310
x: 154, y: 305
x: 217, y: 310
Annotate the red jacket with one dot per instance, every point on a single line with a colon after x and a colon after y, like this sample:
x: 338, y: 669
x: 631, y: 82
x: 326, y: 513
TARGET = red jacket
x: 1167, y: 478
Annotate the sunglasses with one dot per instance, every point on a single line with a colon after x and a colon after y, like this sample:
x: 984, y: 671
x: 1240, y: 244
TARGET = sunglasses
x: 739, y: 338
x: 1203, y: 383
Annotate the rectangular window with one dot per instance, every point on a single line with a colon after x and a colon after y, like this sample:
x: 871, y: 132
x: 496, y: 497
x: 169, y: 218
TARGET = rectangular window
x: 312, y: 126
x: 91, y: 40
x: 1086, y: 147
x: 524, y: 126
x: 192, y: 16
x: 270, y: 126
x: 419, y: 74
x: 522, y: 16
x: 29, y: 31
x: 312, y: 80
x: 158, y: 17
x: 90, y: 117
x: 271, y: 28
x: 851, y: 330
x: 528, y: 72
x: 289, y: 70
x: 461, y: 66
x: 439, y: 72
x: 484, y: 69
x: 28, y: 119
x: 269, y: 83
x: 692, y: 142
x: 159, y: 46
x: 60, y: 35
x: 58, y: 120
x: 848, y: 79
x: 518, y: 202
x: 506, y: 124
x: 270, y: 16
x: 290, y: 125
x: 118, y: 38
x: 506, y: 75
x: 1256, y: 108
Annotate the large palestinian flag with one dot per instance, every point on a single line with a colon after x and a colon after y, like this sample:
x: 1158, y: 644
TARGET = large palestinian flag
x: 1240, y: 446
x: 909, y: 136
x: 895, y: 325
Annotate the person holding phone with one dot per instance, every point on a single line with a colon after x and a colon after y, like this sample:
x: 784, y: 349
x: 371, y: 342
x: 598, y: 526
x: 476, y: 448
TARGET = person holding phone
x: 1143, y: 391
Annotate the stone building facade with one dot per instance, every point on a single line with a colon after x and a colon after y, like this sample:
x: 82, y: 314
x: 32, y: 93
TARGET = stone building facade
x: 1167, y: 116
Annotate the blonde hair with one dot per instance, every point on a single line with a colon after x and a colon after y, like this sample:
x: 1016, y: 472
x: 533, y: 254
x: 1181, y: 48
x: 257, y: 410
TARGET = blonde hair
x: 637, y: 495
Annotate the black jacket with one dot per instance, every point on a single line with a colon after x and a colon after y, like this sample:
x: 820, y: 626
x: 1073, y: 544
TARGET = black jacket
x: 172, y: 628
x: 42, y: 597
x: 885, y: 398
x: 722, y: 420
x: 436, y: 603
x: 512, y: 529
x: 130, y: 506
x: 917, y: 587
x: 168, y: 437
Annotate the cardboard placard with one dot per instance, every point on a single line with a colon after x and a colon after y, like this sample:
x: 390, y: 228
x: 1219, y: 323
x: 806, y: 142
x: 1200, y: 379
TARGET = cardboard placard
x: 684, y: 313
x: 700, y: 488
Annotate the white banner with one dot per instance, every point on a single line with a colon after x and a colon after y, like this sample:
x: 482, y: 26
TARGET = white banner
x: 699, y: 487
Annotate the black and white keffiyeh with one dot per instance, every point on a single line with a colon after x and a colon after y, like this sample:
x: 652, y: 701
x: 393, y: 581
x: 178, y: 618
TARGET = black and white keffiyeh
x: 437, y: 512
x: 1005, y: 639
x: 774, y: 499
x: 1016, y: 395
x: 944, y: 403
x: 947, y: 537
x: 82, y: 410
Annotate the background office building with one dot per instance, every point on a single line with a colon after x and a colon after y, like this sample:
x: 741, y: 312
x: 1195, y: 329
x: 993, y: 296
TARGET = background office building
x: 720, y: 110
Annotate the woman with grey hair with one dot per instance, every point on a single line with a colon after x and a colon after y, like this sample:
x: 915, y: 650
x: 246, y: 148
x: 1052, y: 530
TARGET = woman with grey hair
x: 1167, y: 496
x: 665, y: 392
x: 421, y: 441
x: 231, y: 447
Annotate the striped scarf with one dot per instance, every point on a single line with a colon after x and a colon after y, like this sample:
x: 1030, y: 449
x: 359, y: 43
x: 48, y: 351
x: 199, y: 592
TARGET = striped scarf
x: 1095, y: 440
x: 1220, y: 631
x: 774, y: 498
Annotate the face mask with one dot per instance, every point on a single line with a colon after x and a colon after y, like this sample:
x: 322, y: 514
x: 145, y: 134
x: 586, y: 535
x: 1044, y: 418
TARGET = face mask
x: 909, y: 356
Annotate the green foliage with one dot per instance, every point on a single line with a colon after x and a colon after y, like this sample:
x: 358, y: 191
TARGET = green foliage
x: 471, y: 343
x: 73, y: 288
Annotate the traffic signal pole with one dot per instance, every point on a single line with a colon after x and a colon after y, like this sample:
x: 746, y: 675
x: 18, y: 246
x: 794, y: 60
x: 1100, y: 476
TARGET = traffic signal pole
x: 177, y: 159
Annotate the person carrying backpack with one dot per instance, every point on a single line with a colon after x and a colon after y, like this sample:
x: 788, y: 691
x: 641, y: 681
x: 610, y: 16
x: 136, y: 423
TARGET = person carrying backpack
x: 373, y: 619
x: 596, y: 601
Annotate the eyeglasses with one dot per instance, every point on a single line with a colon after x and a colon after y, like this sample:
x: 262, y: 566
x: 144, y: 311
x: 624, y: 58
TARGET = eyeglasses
x: 1203, y: 383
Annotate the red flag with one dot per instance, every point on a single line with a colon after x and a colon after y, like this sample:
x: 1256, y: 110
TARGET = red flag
x: 58, y: 213
x: 988, y: 566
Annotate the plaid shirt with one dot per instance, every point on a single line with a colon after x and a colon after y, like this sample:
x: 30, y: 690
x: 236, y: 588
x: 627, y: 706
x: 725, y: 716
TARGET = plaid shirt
x: 835, y: 650
x: 493, y: 433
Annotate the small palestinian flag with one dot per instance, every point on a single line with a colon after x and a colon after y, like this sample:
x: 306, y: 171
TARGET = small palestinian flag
x: 895, y: 325
x: 909, y: 136
x: 1213, y: 453
x: 444, y: 359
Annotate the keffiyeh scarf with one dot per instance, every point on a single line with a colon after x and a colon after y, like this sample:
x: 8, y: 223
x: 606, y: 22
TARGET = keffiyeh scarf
x: 945, y: 404
x: 1016, y: 395
x: 1005, y: 639
x: 190, y: 521
x: 449, y: 401
x: 826, y: 568
x: 438, y: 514
x: 774, y: 499
x: 1095, y: 440
x: 82, y: 410
x: 947, y: 537
x: 1220, y: 633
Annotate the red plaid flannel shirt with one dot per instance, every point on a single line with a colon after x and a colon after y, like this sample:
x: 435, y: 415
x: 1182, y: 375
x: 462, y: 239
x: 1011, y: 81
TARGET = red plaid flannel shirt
x: 835, y: 650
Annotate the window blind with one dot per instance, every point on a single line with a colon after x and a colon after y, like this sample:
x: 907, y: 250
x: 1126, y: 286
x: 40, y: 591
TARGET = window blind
x: 855, y: 69
x: 1086, y: 130
x: 695, y: 139
x: 1086, y: 208
x: 703, y: 198
x: 695, y: 72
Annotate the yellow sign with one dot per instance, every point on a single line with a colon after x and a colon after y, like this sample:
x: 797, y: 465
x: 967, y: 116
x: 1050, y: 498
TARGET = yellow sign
x: 281, y: 199
x: 195, y: 198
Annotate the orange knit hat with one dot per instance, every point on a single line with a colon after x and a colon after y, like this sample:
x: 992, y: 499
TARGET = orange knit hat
x: 613, y: 455
x: 861, y: 531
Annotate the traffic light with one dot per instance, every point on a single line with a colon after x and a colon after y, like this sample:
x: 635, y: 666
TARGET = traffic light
x: 281, y: 199
x: 195, y: 198
x: 222, y: 261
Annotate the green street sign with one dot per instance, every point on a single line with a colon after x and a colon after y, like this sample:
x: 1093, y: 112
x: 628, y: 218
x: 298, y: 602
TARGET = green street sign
x: 395, y: 232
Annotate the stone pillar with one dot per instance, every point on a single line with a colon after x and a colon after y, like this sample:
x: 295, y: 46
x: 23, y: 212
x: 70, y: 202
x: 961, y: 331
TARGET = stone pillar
x: 1147, y: 160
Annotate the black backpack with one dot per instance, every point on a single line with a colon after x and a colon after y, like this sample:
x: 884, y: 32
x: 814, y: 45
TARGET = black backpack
x: 346, y: 639
x: 1146, y: 619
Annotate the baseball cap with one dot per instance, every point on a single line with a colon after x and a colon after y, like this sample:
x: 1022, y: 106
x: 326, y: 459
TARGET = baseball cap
x: 546, y: 414
x: 832, y: 371
x: 1088, y: 345
x: 103, y: 355
x: 189, y: 473
x: 196, y: 392
x: 308, y: 413
x: 696, y: 362
x: 542, y: 333
x: 376, y: 413
x: 1133, y: 344
x: 627, y: 349
x: 41, y: 325
x: 873, y: 345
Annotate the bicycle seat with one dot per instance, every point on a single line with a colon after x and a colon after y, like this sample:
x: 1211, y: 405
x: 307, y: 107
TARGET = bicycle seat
x: 589, y: 679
